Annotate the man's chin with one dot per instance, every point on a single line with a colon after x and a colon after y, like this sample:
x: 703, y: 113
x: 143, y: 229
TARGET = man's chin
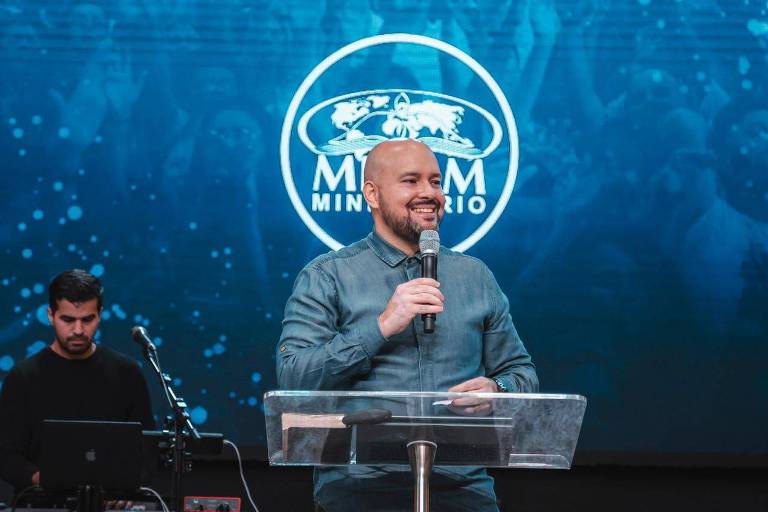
x: 76, y: 348
x: 410, y: 228
x: 419, y: 223
x: 426, y: 225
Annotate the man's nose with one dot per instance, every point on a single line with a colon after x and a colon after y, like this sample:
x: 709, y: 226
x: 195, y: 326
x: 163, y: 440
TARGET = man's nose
x: 79, y: 327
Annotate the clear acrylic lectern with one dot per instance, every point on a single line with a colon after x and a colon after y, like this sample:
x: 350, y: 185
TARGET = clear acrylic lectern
x: 422, y: 430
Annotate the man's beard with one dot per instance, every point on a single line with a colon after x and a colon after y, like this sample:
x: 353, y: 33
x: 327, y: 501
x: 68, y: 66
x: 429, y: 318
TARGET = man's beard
x: 67, y: 347
x: 405, y: 227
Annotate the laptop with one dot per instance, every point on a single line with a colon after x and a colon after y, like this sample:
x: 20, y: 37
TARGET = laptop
x: 99, y: 453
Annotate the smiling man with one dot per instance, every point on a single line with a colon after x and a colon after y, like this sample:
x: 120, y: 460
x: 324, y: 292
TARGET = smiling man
x: 72, y: 379
x: 352, y: 323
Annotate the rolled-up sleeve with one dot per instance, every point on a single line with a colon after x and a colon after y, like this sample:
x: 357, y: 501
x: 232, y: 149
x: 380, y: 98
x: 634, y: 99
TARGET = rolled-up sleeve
x: 312, y: 353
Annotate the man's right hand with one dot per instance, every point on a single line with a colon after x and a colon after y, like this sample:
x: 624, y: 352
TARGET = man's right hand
x: 416, y: 297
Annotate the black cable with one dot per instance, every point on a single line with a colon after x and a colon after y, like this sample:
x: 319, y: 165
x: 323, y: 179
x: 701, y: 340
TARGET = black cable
x: 242, y: 475
x: 18, y: 496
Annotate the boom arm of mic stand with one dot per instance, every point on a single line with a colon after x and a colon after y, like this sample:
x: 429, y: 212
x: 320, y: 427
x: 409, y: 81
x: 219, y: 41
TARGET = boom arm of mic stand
x: 180, y: 409
x: 181, y: 421
x: 178, y: 405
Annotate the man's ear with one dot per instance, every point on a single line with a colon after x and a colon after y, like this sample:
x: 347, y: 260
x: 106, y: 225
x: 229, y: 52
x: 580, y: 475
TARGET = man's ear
x: 370, y: 194
x: 50, y: 315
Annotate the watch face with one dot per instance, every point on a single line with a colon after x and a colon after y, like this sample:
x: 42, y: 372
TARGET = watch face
x: 500, y: 384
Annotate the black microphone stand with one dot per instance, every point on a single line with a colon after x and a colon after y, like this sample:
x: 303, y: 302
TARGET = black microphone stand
x: 181, y: 421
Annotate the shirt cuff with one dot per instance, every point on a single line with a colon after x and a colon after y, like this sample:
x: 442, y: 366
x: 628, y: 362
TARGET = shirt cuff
x: 369, y: 336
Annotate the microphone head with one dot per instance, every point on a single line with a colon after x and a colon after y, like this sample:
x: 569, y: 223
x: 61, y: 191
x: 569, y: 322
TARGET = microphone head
x: 429, y: 242
x: 139, y: 335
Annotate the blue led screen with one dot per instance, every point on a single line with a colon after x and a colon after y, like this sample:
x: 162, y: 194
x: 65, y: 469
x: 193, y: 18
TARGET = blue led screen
x: 606, y: 158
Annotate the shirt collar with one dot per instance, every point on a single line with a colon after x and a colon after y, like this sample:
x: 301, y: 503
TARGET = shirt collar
x: 386, y: 252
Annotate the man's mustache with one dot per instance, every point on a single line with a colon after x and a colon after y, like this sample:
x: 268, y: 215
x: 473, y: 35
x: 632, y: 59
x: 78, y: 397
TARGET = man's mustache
x: 77, y: 338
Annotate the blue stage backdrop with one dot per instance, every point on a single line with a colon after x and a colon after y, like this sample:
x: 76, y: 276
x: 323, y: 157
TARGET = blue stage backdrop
x: 608, y: 159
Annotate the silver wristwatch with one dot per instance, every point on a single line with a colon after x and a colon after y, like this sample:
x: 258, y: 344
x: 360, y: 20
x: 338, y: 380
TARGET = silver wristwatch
x: 502, y: 387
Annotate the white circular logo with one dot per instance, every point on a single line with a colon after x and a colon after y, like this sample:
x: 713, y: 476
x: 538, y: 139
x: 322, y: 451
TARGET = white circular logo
x: 337, y: 133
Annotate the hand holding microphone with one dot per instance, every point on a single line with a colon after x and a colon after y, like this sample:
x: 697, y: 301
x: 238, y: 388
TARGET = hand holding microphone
x: 419, y: 296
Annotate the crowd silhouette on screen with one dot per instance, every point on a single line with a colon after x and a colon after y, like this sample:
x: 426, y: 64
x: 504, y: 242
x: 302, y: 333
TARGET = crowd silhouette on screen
x: 642, y: 189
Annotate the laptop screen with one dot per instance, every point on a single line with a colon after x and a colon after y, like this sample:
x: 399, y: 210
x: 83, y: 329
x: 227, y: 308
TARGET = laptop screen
x: 102, y: 453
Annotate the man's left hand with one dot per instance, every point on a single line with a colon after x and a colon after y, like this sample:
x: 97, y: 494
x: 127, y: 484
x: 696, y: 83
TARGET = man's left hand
x: 473, y: 406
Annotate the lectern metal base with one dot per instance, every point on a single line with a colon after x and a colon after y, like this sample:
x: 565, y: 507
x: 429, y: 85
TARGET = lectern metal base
x: 422, y: 456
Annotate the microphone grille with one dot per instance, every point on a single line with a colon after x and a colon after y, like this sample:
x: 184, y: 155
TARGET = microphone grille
x: 138, y: 333
x: 429, y: 241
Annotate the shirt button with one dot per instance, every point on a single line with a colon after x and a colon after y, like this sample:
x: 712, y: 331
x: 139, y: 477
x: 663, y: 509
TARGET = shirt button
x: 282, y: 348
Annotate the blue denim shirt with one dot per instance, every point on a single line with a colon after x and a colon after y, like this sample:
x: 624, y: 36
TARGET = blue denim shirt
x: 331, y: 338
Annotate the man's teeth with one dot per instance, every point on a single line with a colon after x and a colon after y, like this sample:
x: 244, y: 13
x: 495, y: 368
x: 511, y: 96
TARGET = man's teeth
x: 424, y: 210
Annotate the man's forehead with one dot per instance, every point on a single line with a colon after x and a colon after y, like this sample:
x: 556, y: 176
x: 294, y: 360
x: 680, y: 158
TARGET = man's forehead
x: 403, y: 146
x: 390, y: 154
x: 394, y: 158
x: 86, y: 307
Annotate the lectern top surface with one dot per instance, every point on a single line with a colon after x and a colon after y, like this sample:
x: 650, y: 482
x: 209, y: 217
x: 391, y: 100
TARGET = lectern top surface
x: 331, y: 428
x: 421, y: 394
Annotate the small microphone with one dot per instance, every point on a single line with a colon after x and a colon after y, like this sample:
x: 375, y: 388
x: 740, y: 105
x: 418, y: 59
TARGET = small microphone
x: 141, y: 336
x: 429, y: 245
x: 368, y: 417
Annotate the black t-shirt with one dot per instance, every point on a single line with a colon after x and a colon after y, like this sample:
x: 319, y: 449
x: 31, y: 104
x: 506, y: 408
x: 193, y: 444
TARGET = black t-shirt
x: 107, y: 386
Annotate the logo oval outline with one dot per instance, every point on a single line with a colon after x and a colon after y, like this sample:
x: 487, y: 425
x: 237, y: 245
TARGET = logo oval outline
x: 393, y: 38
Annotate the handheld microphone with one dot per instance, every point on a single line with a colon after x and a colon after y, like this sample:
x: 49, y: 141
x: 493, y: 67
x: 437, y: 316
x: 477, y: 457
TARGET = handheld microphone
x: 141, y: 336
x: 429, y: 245
x: 367, y: 417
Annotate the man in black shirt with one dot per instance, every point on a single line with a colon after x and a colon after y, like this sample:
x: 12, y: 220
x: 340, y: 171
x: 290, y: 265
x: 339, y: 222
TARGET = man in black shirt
x: 72, y: 379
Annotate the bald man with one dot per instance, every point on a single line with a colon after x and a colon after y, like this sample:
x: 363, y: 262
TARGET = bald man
x: 352, y: 324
